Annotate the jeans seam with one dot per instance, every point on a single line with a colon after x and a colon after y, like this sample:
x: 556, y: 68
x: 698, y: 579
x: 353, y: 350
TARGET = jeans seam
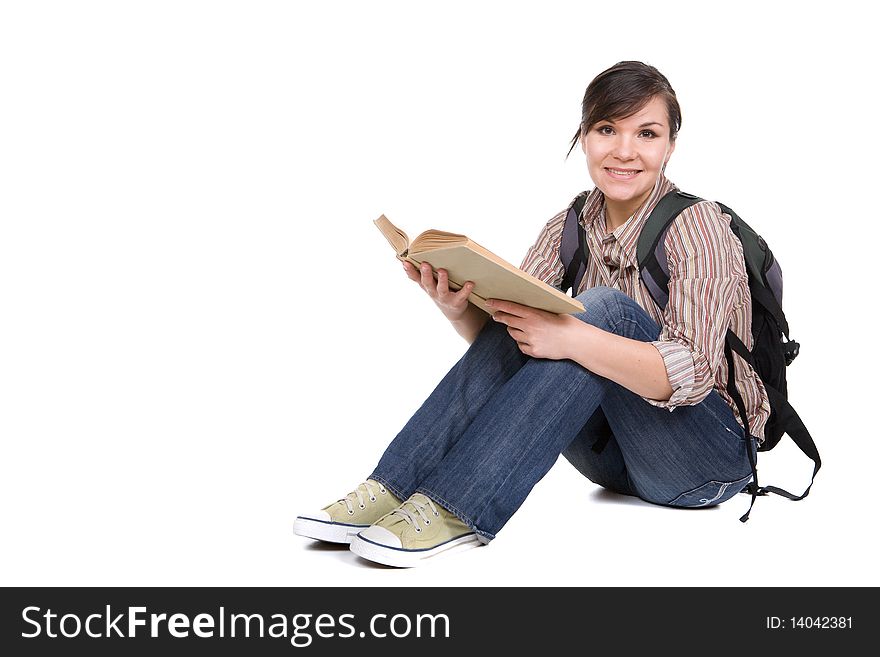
x: 740, y: 435
x: 621, y: 320
x: 620, y: 315
x: 522, y: 457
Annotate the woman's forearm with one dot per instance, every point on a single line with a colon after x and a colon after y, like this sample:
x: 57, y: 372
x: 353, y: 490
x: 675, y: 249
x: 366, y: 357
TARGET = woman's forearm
x: 635, y: 365
x: 471, y: 323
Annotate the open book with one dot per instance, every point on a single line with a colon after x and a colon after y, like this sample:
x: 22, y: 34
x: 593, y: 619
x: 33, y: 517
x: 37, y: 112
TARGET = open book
x: 465, y: 260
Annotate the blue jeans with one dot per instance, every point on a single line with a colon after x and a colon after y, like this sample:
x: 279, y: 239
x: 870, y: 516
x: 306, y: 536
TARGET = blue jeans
x: 498, y: 421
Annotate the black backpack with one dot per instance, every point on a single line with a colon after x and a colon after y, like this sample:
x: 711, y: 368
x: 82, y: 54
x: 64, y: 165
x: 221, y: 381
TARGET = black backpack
x: 772, y: 350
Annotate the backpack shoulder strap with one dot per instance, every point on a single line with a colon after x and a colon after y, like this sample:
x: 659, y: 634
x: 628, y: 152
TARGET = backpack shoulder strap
x: 651, y: 253
x: 788, y: 418
x: 573, y: 248
x: 754, y: 248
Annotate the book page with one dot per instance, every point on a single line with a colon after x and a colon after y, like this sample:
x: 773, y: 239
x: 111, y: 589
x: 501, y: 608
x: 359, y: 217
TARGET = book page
x: 435, y: 239
x: 396, y: 237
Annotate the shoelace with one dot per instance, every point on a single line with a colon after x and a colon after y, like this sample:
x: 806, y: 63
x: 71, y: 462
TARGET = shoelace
x: 360, y: 498
x: 420, y: 508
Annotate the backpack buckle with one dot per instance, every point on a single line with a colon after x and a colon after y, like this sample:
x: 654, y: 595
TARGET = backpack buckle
x: 752, y: 490
x: 792, y: 349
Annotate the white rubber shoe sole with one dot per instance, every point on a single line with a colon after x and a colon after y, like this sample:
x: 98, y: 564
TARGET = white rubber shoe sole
x: 402, y: 558
x: 325, y: 529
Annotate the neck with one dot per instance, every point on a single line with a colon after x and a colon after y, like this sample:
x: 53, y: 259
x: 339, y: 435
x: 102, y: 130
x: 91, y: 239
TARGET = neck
x: 618, y: 212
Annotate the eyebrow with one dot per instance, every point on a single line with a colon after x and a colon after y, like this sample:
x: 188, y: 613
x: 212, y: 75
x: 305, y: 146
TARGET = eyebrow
x: 644, y: 125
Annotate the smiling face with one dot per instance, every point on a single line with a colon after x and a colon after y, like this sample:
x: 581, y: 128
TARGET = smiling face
x: 625, y: 157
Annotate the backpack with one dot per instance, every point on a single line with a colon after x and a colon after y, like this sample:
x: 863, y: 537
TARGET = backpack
x: 772, y: 350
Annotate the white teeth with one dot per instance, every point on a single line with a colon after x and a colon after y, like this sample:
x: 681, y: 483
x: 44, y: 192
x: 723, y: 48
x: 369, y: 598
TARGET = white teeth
x: 623, y: 173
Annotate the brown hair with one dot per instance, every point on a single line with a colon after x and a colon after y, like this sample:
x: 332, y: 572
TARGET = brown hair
x: 623, y: 90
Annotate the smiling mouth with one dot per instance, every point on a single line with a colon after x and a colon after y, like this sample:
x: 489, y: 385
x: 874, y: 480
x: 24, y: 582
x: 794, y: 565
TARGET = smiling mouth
x: 623, y: 172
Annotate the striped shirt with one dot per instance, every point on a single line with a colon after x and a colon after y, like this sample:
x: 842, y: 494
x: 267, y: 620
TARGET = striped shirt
x: 708, y: 292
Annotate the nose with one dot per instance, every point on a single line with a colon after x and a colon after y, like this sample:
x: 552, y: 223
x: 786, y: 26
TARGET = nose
x: 624, y: 148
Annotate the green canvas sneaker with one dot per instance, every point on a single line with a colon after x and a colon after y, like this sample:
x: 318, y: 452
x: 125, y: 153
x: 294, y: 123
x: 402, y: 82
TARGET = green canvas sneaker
x: 340, y: 521
x: 415, y: 531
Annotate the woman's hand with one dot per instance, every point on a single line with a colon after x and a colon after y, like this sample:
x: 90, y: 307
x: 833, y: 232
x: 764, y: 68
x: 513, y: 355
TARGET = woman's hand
x: 538, y: 333
x: 452, y: 304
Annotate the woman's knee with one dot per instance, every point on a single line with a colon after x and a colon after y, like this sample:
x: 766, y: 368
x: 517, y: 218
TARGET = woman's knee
x: 605, y: 307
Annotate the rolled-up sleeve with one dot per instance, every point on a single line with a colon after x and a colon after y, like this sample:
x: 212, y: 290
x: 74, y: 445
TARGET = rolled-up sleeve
x: 679, y: 364
x: 542, y: 258
x: 705, y: 271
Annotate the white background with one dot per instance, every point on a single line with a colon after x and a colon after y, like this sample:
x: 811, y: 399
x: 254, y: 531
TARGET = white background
x: 202, y: 333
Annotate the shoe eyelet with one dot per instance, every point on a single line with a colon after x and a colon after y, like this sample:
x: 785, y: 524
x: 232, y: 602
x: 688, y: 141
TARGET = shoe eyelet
x: 351, y: 512
x: 382, y: 490
x: 436, y: 514
x: 418, y: 530
x: 427, y: 522
x: 362, y: 506
x: 373, y: 499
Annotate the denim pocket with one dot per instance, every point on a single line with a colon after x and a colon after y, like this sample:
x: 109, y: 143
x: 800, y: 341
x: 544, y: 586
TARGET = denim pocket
x: 711, y: 493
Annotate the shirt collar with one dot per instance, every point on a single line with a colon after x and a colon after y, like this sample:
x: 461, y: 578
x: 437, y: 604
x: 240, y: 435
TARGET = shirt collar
x: 627, y: 235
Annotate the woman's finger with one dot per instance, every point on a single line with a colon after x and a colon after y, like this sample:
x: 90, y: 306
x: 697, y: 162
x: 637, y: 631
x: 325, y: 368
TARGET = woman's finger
x: 428, y: 278
x: 466, y: 289
x: 442, y: 282
x: 513, y: 322
x: 411, y: 272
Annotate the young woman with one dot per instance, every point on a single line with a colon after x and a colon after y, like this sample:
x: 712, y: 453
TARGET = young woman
x: 649, y: 384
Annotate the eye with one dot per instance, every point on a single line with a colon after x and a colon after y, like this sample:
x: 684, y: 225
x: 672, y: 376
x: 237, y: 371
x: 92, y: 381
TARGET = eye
x: 650, y: 134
